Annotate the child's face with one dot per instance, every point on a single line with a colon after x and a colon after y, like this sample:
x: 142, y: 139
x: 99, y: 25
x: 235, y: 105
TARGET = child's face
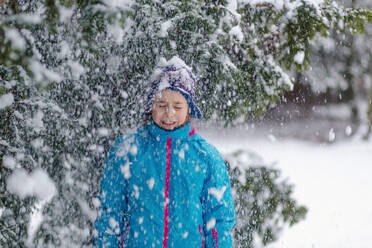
x: 170, y: 109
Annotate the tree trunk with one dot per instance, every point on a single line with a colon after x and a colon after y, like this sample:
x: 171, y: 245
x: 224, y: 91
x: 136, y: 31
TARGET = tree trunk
x: 369, y: 116
x: 352, y: 91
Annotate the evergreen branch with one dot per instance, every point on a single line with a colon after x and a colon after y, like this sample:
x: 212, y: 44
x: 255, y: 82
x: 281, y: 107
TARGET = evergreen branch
x: 264, y: 5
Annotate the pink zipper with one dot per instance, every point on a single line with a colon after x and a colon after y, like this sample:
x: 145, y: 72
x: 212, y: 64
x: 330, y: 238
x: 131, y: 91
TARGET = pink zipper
x: 166, y: 193
x: 125, y: 234
x: 214, y: 232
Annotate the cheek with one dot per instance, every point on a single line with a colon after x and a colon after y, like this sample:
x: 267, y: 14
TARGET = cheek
x: 183, y: 115
x: 155, y: 115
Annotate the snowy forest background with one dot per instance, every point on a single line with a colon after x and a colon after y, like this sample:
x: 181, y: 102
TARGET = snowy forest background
x: 73, y: 76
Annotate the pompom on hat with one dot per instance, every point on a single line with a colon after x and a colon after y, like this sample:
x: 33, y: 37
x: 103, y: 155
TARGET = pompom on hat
x: 174, y: 75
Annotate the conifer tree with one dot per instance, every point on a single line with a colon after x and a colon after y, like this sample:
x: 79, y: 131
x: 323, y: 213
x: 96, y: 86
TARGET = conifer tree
x: 73, y: 75
x: 341, y: 67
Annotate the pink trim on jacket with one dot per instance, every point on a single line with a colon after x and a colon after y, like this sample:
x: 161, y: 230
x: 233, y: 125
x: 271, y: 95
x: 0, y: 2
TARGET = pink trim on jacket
x: 201, y: 234
x: 192, y: 132
x: 166, y: 193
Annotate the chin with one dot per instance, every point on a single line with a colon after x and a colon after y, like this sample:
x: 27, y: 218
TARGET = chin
x: 169, y: 128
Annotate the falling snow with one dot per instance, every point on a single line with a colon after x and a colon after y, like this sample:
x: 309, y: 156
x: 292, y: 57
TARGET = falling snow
x: 211, y: 223
x: 70, y: 87
x: 36, y: 183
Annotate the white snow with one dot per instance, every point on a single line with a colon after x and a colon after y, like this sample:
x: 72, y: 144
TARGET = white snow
x: 181, y: 154
x: 163, y: 85
x: 133, y: 150
x: 96, y: 203
x: 326, y: 42
x: 124, y: 94
x: 41, y: 73
x: 289, y: 5
x: 9, y: 162
x: 30, y: 18
x: 6, y: 100
x: 164, y: 28
x: 35, y: 219
x: 217, y: 193
x: 37, y: 121
x: 114, y: 225
x: 175, y: 60
x: 278, y: 4
x: 37, y: 143
x: 285, y: 79
x: 77, y: 69
x: 332, y: 180
x: 140, y: 220
x: 65, y: 14
x: 126, y: 170
x: 116, y: 32
x: 179, y: 74
x: 113, y: 64
x: 184, y: 235
x: 237, y: 32
x: 15, y: 38
x: 125, y: 146
x: 348, y: 131
x: 211, y: 223
x: 232, y: 6
x: 91, y: 213
x: 36, y: 183
x: 150, y: 183
x: 103, y: 132
x: 65, y: 49
x: 331, y: 135
x: 119, y: 4
x: 173, y: 44
x: 136, y: 191
x: 10, y: 84
x: 299, y: 57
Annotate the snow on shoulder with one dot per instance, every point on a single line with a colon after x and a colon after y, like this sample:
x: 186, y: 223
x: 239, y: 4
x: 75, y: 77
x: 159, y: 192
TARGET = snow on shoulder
x: 218, y: 193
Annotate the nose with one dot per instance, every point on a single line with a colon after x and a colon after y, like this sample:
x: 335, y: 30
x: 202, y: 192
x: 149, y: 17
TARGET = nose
x: 170, y: 111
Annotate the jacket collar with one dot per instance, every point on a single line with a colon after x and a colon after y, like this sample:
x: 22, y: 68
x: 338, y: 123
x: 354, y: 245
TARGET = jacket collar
x: 161, y: 134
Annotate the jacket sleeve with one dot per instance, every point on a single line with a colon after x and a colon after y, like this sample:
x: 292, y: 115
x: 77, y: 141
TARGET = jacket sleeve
x: 218, y: 204
x: 110, y: 220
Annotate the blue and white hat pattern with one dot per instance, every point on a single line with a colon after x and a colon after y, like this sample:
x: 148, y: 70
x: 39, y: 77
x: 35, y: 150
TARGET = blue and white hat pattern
x: 177, y: 78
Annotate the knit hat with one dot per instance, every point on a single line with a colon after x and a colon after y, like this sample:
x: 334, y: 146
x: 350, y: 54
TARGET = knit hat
x: 174, y: 75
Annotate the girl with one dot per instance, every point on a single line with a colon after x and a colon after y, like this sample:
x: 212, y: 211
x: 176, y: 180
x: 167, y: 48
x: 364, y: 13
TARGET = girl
x: 164, y: 185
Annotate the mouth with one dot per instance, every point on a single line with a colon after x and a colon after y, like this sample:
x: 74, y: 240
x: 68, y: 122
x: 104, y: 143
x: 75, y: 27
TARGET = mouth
x: 169, y: 123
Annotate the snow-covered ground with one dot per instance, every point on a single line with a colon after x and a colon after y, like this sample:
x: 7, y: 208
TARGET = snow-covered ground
x: 334, y: 181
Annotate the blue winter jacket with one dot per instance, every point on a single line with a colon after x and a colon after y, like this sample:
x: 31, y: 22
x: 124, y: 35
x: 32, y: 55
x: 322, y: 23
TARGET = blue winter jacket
x: 164, y: 188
